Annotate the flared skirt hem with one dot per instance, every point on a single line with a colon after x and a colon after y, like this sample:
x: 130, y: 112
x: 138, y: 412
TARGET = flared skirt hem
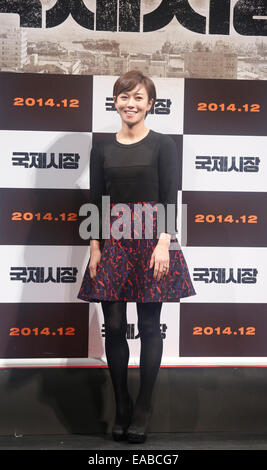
x: 99, y: 298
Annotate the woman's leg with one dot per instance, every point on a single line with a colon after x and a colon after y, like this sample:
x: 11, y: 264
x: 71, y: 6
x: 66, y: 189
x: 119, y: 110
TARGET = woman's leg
x: 150, y: 357
x: 117, y: 353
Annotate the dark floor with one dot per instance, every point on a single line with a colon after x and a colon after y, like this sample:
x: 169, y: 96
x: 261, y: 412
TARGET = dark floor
x: 160, y: 441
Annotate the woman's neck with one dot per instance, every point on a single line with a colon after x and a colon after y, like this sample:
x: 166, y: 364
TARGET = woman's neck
x: 131, y: 134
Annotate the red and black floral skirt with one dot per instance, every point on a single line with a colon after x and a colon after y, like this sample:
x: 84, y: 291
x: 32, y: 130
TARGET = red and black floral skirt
x: 124, y: 273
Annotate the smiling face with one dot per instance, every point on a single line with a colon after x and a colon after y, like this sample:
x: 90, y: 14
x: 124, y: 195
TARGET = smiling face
x: 133, y: 105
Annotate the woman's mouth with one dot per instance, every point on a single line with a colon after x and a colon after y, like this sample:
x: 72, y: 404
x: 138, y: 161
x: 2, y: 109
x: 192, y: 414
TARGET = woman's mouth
x: 130, y: 113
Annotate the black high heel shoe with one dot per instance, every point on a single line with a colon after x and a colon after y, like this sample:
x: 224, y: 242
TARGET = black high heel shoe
x: 138, y: 434
x: 119, y: 430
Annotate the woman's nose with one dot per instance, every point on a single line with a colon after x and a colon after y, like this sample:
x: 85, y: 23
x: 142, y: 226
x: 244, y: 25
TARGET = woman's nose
x: 131, y: 101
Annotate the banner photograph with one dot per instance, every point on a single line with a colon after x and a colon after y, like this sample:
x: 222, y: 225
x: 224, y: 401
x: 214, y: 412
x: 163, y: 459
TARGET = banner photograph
x: 59, y: 62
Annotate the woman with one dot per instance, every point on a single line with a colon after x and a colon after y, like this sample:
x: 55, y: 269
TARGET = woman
x: 134, y: 166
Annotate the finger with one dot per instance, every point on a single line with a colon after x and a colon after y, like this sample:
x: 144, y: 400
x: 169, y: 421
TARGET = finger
x: 162, y: 272
x: 152, y: 259
x: 159, y: 274
x: 166, y: 271
x: 156, y: 271
x: 92, y: 272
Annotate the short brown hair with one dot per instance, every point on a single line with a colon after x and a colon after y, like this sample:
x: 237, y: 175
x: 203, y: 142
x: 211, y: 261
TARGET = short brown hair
x: 129, y: 80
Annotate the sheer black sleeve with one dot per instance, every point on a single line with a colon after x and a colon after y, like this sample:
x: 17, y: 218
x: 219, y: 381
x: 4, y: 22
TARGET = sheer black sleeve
x: 97, y: 185
x: 168, y: 181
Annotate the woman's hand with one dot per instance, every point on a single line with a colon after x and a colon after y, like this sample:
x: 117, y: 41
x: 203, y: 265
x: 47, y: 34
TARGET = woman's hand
x: 95, y: 256
x: 161, y: 259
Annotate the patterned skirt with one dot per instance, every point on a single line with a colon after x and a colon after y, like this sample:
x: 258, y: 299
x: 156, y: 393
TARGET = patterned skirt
x: 123, y: 273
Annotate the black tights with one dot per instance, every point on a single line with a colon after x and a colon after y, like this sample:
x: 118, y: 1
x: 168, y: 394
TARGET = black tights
x: 117, y: 353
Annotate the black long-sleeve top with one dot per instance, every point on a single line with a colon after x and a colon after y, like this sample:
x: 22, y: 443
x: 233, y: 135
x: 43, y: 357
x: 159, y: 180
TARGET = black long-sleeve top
x: 146, y: 170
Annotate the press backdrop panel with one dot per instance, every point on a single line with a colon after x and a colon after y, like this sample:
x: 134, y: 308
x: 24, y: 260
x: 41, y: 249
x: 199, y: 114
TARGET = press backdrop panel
x: 46, y: 137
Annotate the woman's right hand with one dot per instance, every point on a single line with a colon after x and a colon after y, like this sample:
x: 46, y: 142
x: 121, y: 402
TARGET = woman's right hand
x: 95, y: 256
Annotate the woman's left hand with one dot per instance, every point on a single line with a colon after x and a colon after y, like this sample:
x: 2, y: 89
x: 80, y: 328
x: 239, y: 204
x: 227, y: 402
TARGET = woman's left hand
x: 161, y: 259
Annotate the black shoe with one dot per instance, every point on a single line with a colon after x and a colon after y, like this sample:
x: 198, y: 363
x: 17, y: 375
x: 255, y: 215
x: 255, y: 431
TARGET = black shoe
x: 119, y: 430
x: 138, y: 434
